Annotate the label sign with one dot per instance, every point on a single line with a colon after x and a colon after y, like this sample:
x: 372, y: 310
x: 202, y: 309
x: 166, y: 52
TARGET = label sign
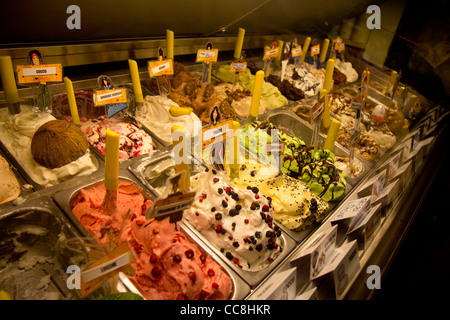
x: 315, y: 50
x: 100, y: 271
x: 110, y: 96
x: 238, y: 66
x: 297, y: 51
x: 204, y: 55
x: 378, y: 187
x: 39, y: 73
x: 211, y: 134
x: 171, y: 204
x: 271, y: 53
x: 340, y: 45
x: 160, y: 67
x: 318, y: 109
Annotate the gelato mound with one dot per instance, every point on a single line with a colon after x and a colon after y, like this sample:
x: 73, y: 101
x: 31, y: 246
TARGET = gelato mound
x: 188, y: 91
x: 134, y: 141
x: 295, y: 207
x: 238, y: 222
x: 57, y: 143
x: 9, y: 186
x: 313, y: 167
x: 286, y: 88
x: 169, y: 267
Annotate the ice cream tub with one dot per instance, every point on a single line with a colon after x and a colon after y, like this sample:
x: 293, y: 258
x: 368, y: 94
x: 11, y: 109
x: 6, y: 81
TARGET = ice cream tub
x: 34, y: 256
x: 137, y: 239
x: 252, y: 278
x: 16, y: 141
x: 153, y: 171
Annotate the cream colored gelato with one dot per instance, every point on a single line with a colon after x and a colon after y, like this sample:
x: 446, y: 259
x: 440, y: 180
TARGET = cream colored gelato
x: 155, y: 115
x: 236, y: 221
x: 347, y: 69
x: 9, y: 186
x: 295, y: 207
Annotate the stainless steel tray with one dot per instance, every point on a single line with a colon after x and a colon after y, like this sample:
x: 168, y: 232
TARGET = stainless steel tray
x: 64, y: 198
x: 138, y: 168
x: 34, y: 255
x: 16, y: 163
x: 141, y: 166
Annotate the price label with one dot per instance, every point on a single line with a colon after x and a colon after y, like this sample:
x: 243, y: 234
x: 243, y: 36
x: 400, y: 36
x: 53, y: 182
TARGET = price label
x: 204, y: 55
x: 39, y: 73
x: 356, y: 104
x: 171, y: 204
x: 110, y: 96
x: 100, y: 271
x: 159, y: 68
x: 271, y: 53
x: 297, y: 51
x: 315, y: 50
x: 340, y: 45
x: 317, y: 110
x: 216, y: 133
x: 238, y: 66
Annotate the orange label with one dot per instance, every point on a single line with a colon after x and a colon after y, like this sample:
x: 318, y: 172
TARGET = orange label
x: 39, y: 73
x: 271, y: 53
x: 160, y: 67
x: 110, y: 96
x: 216, y: 133
x: 315, y: 50
x: 204, y: 55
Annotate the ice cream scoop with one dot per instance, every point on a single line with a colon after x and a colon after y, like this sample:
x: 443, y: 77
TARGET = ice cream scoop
x: 238, y: 222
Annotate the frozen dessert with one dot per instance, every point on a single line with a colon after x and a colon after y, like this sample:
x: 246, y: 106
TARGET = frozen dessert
x: 339, y: 78
x: 134, y: 141
x: 376, y: 135
x: 343, y: 164
x: 305, y: 77
x: 270, y: 95
x: 57, y: 143
x: 156, y: 115
x: 295, y: 207
x: 168, y: 265
x: 286, y: 88
x: 239, y: 98
x: 365, y: 147
x: 238, y: 222
x: 9, y: 185
x: 187, y: 90
x: 313, y: 167
x: 16, y: 134
x: 347, y: 69
x: 88, y: 208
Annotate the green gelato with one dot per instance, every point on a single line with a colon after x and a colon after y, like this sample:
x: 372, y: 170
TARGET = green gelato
x: 316, y: 168
x: 270, y: 94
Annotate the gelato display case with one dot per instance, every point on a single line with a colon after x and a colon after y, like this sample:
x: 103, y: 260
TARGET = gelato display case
x: 305, y: 151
